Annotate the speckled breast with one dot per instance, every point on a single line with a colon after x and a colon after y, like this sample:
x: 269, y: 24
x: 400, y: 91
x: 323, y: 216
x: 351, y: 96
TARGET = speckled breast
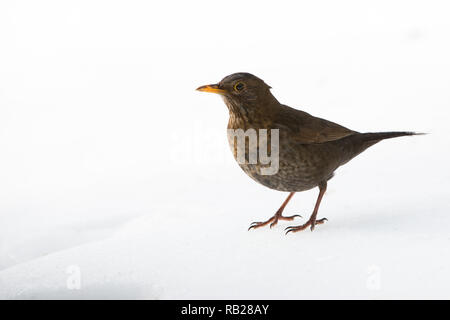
x: 300, y: 166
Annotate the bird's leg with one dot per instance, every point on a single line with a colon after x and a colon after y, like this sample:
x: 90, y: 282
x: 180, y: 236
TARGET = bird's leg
x: 312, y: 220
x: 277, y: 216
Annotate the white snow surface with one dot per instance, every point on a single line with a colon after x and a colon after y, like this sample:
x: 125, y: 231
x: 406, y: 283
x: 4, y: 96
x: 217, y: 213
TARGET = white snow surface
x: 112, y: 164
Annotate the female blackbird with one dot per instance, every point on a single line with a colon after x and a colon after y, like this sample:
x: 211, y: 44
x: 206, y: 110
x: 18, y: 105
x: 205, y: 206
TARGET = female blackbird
x: 309, y: 149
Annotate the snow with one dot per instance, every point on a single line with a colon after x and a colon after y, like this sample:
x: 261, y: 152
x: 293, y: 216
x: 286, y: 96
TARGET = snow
x: 115, y: 176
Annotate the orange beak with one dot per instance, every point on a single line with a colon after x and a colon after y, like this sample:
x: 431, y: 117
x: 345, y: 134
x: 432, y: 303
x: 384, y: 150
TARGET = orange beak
x: 214, y: 88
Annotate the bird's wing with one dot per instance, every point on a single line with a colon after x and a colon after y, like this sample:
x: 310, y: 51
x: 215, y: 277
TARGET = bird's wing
x: 306, y: 128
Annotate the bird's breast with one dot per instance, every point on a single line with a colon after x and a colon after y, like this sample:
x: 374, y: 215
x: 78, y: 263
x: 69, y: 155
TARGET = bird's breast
x: 277, y: 162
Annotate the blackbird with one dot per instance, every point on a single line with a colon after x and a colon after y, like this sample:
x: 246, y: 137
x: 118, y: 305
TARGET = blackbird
x: 310, y: 149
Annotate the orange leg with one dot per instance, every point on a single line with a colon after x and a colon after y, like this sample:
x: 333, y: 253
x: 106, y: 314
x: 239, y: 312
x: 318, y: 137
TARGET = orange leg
x: 312, y: 220
x: 277, y: 216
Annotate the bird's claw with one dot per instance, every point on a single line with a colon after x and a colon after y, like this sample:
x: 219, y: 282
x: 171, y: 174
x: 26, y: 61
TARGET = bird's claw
x: 254, y: 225
x: 310, y: 223
x: 273, y: 221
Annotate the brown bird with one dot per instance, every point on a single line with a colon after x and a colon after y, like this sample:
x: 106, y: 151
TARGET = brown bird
x: 309, y: 150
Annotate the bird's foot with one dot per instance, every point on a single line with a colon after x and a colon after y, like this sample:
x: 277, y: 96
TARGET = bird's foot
x: 310, y: 223
x: 273, y: 221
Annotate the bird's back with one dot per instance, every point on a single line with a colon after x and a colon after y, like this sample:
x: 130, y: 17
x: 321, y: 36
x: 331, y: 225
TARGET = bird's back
x: 305, y: 128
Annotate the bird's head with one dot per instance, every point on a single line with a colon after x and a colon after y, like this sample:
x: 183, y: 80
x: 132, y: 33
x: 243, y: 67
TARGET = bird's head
x: 242, y: 92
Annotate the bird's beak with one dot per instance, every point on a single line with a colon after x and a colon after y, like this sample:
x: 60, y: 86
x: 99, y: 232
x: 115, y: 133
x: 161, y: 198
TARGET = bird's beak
x: 214, y: 88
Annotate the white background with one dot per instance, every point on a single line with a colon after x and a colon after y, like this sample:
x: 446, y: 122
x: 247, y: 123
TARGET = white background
x: 112, y: 164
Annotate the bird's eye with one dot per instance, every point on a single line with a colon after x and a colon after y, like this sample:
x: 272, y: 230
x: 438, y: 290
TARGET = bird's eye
x: 238, y: 86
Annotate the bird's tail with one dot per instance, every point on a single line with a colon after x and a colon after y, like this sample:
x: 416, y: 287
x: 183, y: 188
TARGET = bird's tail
x: 378, y: 136
x: 355, y: 144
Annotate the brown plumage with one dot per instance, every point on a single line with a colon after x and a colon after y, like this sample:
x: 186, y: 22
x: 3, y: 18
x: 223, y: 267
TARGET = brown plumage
x: 310, y: 148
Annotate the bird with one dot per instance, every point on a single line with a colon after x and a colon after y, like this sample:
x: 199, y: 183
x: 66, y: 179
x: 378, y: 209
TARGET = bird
x: 310, y: 149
